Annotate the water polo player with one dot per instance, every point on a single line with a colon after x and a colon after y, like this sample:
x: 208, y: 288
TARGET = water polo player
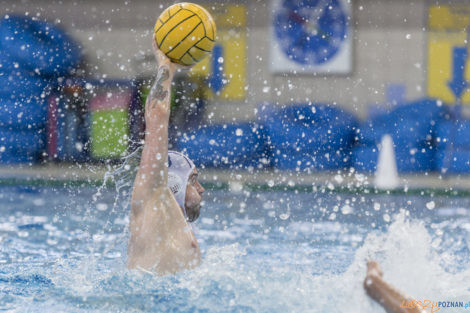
x: 167, y: 194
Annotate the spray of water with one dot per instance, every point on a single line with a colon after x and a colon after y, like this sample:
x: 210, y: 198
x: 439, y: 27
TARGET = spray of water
x: 231, y: 278
x: 85, y: 273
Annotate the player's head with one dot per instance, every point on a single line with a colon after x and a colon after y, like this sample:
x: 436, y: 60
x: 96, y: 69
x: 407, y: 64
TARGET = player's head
x: 183, y: 182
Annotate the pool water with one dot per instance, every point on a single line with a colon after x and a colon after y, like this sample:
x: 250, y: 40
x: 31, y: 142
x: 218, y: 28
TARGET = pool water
x: 64, y: 250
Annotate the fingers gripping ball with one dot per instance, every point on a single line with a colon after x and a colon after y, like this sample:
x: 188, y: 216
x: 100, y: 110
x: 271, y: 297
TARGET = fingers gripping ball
x: 185, y: 32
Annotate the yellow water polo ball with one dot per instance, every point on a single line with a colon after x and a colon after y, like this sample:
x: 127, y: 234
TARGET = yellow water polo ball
x: 185, y: 32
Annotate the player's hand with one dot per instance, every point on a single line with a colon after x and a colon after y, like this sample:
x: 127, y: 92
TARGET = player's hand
x: 162, y: 59
x: 373, y: 268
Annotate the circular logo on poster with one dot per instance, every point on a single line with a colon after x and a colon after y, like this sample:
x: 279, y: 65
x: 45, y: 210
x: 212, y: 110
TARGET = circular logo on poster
x: 311, y: 32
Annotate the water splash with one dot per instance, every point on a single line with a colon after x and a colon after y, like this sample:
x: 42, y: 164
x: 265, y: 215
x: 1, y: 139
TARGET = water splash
x: 409, y: 262
x: 299, y: 264
x: 123, y: 176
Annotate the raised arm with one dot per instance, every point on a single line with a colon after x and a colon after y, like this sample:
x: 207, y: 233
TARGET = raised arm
x: 160, y: 238
x: 153, y: 171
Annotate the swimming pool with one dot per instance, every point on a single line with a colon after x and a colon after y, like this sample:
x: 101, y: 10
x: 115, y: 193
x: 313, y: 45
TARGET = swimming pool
x: 63, y: 250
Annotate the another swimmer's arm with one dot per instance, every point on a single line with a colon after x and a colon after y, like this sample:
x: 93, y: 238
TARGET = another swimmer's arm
x: 387, y: 296
x: 153, y: 171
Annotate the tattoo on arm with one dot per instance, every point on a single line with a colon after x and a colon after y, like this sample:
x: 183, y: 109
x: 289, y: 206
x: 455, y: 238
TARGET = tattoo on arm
x: 158, y: 92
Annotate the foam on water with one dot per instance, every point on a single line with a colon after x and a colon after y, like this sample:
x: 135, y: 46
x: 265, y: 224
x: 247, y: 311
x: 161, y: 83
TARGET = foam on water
x: 251, y: 262
x: 405, y: 252
x: 410, y: 262
x: 228, y: 281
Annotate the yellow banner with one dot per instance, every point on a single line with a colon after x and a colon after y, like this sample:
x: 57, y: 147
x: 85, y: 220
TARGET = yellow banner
x: 449, y: 18
x: 228, y: 79
x: 446, y: 67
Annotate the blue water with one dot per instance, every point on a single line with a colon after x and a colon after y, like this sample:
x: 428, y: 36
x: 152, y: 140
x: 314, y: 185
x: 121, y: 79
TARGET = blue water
x: 64, y: 250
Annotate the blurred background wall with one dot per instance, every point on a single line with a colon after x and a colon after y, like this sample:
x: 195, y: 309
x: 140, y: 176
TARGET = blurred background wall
x: 392, y: 66
x: 389, y: 47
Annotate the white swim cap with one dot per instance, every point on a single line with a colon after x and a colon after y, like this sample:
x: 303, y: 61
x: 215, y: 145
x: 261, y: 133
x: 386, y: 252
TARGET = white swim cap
x: 179, y: 169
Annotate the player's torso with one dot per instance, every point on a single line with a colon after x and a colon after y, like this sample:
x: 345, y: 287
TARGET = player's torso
x: 161, y: 240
